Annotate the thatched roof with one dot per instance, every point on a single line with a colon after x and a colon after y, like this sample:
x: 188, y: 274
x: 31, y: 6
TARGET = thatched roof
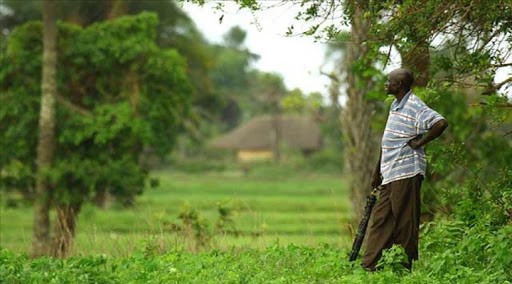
x: 257, y: 134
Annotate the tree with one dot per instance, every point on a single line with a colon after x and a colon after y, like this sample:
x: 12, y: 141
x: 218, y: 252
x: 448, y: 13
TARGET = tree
x: 268, y: 91
x: 46, y: 141
x: 231, y: 75
x: 416, y: 28
x: 360, y: 144
x: 294, y: 102
x: 175, y: 30
x: 119, y: 95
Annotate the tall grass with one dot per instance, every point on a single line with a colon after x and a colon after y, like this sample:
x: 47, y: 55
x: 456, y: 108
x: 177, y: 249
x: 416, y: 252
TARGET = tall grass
x: 268, y: 205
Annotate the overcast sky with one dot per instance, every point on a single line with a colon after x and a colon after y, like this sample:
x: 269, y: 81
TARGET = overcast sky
x: 297, y: 59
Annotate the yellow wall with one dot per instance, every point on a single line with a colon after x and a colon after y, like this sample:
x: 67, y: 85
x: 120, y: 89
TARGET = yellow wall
x: 254, y: 155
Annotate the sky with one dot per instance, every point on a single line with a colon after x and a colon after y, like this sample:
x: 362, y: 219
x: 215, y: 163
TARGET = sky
x: 298, y: 59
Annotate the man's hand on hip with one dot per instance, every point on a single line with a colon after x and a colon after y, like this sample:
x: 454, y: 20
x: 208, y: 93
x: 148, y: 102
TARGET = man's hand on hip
x: 415, y: 143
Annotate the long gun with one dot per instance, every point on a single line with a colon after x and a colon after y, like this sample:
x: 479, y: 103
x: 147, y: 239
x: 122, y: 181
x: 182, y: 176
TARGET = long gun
x: 363, y: 225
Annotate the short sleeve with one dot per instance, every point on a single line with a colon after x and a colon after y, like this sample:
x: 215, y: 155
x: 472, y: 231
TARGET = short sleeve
x: 427, y: 117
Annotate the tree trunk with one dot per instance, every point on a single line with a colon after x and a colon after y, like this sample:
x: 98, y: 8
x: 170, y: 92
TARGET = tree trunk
x: 65, y: 228
x: 100, y: 197
x: 417, y: 60
x: 275, y: 134
x: 116, y: 9
x: 360, y: 145
x: 46, y: 143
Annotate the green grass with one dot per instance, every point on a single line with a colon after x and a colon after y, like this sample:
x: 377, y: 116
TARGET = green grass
x: 284, y: 207
x: 473, y: 256
x: 293, y: 229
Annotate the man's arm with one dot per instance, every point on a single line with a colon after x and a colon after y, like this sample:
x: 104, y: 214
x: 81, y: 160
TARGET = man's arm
x: 437, y: 129
x: 376, y: 175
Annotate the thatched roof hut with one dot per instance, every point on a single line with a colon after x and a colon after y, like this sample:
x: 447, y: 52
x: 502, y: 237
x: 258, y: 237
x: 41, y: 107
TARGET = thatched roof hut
x: 258, y: 136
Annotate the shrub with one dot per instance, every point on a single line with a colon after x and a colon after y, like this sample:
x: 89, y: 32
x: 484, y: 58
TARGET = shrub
x: 450, y: 252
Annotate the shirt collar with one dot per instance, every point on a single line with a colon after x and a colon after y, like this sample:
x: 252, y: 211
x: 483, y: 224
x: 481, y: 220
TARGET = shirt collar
x: 396, y: 106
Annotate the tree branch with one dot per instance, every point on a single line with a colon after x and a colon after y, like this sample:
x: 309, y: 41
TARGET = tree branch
x: 387, y: 57
x: 503, y: 83
x: 491, y: 37
x: 504, y: 105
x: 75, y: 108
x: 330, y: 76
x: 493, y: 88
x: 502, y: 65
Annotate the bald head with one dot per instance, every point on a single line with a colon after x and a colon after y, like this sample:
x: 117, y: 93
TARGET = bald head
x: 404, y: 76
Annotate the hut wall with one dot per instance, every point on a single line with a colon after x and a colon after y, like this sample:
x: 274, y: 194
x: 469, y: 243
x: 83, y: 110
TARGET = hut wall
x: 254, y: 155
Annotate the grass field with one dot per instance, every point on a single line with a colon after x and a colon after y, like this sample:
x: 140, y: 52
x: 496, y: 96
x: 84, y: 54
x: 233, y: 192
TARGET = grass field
x: 302, y: 208
x: 292, y: 229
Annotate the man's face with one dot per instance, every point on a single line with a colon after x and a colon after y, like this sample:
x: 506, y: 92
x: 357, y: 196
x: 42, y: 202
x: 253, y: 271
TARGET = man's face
x: 392, y: 84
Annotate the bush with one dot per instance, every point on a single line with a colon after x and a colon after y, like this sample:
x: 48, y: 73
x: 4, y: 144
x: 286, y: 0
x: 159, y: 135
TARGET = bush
x: 450, y: 252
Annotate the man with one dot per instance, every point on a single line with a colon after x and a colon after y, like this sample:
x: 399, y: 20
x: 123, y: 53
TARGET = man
x: 400, y: 170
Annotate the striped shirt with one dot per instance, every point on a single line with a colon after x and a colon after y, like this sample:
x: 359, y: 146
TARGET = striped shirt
x: 407, y: 119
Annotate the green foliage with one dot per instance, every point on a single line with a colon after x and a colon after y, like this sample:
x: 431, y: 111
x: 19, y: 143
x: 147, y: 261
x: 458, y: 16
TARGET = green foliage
x: 225, y: 223
x: 470, y: 165
x: 456, y: 251
x: 118, y: 95
x: 450, y: 252
x: 196, y: 226
x: 268, y: 90
x: 295, y: 102
x: 475, y: 201
x: 393, y: 259
x: 325, y: 160
x: 199, y: 232
x: 174, y: 30
x: 198, y: 166
x: 471, y: 254
x: 230, y: 75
